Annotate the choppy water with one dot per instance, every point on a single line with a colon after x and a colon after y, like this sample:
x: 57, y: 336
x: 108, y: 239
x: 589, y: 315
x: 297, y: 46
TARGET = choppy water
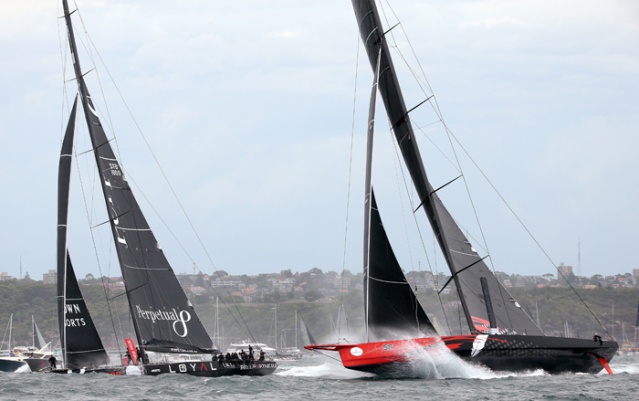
x: 321, y: 378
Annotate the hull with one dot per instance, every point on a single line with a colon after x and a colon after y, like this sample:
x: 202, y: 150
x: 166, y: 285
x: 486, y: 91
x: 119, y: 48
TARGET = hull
x: 37, y: 364
x: 12, y: 365
x: 213, y: 368
x: 115, y: 371
x: 512, y: 353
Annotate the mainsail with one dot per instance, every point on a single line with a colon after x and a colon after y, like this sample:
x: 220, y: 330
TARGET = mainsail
x: 466, y: 266
x: 164, y: 319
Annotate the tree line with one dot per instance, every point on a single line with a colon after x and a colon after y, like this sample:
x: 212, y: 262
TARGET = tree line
x: 557, y: 310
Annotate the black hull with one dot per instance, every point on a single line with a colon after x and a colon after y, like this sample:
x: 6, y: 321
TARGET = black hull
x: 11, y: 365
x: 116, y: 371
x: 517, y: 353
x: 212, y: 369
x: 14, y: 364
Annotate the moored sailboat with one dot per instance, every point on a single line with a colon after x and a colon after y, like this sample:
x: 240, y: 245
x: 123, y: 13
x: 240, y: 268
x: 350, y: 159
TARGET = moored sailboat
x: 501, y: 335
x: 27, y: 358
x: 170, y: 336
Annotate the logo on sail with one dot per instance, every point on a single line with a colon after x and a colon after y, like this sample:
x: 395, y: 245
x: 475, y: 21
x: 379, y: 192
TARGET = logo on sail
x: 179, y: 319
x: 71, y: 309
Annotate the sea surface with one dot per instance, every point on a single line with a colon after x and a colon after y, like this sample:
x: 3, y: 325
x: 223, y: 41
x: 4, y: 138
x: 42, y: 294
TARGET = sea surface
x: 319, y: 377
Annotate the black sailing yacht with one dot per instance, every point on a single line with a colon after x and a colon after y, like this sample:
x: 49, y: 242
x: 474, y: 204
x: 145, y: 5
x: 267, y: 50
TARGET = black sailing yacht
x: 501, y: 335
x: 170, y: 336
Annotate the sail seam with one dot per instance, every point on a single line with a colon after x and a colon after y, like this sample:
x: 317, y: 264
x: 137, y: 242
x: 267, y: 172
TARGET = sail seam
x: 388, y: 281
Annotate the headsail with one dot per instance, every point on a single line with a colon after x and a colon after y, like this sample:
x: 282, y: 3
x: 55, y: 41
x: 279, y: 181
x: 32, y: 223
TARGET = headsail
x: 466, y: 266
x: 80, y: 341
x: 305, y: 334
x: 392, y: 304
x: 83, y: 348
x: 163, y: 317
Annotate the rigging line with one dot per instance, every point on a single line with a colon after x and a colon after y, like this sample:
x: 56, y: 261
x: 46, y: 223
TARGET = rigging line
x: 63, y: 63
x: 119, y: 323
x: 433, y: 103
x: 97, y: 72
x: 398, y: 166
x: 457, y: 164
x: 501, y: 288
x: 425, y: 83
x: 102, y: 277
x: 350, y: 169
x: 161, y: 170
x: 241, y: 323
x: 428, y: 261
x: 148, y: 145
x: 521, y: 223
x: 139, y: 129
x: 175, y: 196
x: 111, y: 125
x: 95, y: 250
x: 159, y: 166
x: 437, y: 110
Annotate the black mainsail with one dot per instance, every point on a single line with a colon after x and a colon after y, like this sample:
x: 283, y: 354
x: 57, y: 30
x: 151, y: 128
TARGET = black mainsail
x: 466, y: 266
x: 164, y: 319
x: 80, y: 341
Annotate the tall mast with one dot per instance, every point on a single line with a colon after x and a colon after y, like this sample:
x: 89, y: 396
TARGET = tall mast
x: 376, y: 47
x: 276, y: 334
x: 368, y: 190
x: 86, y: 106
x: 217, y: 323
x: 64, y: 176
x: 466, y: 266
x: 10, y: 328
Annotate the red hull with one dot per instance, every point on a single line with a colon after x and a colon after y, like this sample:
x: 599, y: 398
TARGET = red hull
x: 497, y: 352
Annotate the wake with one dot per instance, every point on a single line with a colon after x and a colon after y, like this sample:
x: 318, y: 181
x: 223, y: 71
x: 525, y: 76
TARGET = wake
x: 329, y: 369
x: 432, y: 363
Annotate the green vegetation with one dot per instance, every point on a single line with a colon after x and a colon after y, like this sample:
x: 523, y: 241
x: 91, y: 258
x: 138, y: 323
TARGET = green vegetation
x: 615, y: 308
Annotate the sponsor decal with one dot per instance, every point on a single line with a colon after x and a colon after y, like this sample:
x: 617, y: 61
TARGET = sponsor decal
x: 79, y: 322
x: 205, y: 366
x: 478, y: 344
x: 71, y: 309
x: 357, y: 351
x: 179, y: 319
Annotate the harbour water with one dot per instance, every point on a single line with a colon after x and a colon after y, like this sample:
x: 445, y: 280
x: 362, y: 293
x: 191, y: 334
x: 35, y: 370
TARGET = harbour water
x: 322, y: 378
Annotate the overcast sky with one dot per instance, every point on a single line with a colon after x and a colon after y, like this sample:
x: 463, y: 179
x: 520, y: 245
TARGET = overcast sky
x: 248, y: 107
